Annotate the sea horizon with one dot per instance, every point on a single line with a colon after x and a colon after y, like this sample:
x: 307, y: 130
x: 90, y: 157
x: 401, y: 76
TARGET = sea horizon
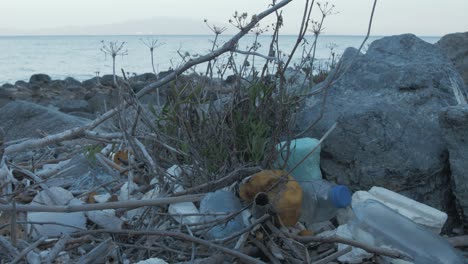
x: 80, y: 57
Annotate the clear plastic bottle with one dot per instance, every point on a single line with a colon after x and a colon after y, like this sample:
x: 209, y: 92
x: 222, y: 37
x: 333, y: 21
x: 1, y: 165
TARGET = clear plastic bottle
x: 222, y: 201
x: 322, y: 200
x: 379, y: 225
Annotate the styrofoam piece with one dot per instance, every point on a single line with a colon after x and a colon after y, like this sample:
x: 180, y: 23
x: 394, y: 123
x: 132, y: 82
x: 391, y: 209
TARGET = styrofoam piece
x: 179, y: 210
x: 126, y: 190
x: 356, y: 255
x: 102, y: 198
x: 418, y: 212
x: 66, y: 222
x: 152, y: 261
x: 105, y: 219
x: 174, y: 171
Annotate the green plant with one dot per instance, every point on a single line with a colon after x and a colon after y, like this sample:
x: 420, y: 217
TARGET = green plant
x: 90, y: 152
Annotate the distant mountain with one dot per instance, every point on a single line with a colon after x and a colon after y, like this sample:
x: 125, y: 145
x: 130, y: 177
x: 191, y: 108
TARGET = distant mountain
x: 156, y: 26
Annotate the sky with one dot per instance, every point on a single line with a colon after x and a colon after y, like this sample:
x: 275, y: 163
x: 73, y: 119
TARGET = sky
x: 58, y: 17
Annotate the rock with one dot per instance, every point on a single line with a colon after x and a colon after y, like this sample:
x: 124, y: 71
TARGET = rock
x: 231, y: 79
x: 454, y: 123
x: 8, y: 85
x: 139, y: 81
x: 91, y: 83
x: 455, y: 46
x: 56, y: 84
x: 387, y: 106
x: 66, y: 222
x: 74, y: 105
x: 6, y: 96
x: 39, y: 79
x: 22, y: 84
x: 145, y: 77
x: 108, y: 80
x: 22, y: 119
x: 163, y: 74
x: 101, y: 102
x: 296, y: 81
x: 72, y: 83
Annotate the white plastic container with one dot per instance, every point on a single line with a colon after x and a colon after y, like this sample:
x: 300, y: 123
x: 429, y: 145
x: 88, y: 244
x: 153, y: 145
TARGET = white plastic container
x: 420, y: 213
x: 378, y: 225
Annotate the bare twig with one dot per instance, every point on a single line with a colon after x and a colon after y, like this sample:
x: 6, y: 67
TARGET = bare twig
x: 10, y: 249
x: 178, y: 235
x: 59, y: 246
x: 333, y: 256
x: 336, y: 239
x: 102, y: 206
x: 99, y: 253
x: 26, y: 250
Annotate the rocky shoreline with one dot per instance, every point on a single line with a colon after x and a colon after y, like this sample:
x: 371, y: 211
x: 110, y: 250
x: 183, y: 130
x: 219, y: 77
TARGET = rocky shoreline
x: 410, y: 112
x: 401, y: 110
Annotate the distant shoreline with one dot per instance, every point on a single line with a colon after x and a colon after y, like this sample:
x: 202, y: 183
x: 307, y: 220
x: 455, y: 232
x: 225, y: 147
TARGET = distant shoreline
x: 195, y: 35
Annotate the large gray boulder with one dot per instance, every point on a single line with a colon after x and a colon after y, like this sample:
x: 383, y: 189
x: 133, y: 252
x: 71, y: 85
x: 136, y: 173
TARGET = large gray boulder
x: 387, y: 105
x: 454, y: 123
x: 455, y: 46
x: 21, y: 119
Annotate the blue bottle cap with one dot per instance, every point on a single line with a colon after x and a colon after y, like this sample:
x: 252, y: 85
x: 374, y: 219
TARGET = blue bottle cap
x: 341, y: 196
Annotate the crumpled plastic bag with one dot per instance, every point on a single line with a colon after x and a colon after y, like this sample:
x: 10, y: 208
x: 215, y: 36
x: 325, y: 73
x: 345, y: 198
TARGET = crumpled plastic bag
x: 284, y: 193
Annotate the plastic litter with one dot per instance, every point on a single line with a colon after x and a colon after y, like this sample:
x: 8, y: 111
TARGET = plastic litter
x: 152, y: 261
x: 418, y: 212
x: 379, y: 225
x: 298, y: 150
x: 184, y: 213
x: 222, y: 202
x: 284, y: 193
x: 322, y: 200
x: 66, y: 222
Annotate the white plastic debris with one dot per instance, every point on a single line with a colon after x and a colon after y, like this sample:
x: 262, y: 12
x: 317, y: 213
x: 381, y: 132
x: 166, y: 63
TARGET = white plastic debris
x: 356, y: 255
x: 105, y: 219
x: 126, y: 190
x: 51, y: 169
x: 152, y: 261
x: 57, y: 223
x: 420, y: 213
x: 186, y: 213
x: 102, y: 198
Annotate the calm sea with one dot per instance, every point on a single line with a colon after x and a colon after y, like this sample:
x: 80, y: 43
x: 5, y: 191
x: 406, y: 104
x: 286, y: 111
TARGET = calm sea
x: 80, y: 56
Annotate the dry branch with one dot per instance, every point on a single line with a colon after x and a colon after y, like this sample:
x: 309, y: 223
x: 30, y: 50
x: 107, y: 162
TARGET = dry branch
x: 336, y: 239
x: 27, y: 250
x: 102, y: 206
x: 237, y: 254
